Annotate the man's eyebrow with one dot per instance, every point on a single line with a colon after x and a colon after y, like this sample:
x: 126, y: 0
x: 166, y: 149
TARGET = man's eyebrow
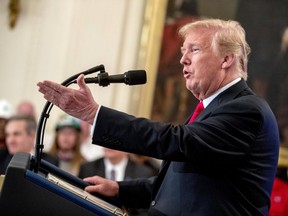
x: 182, y: 49
x: 189, y: 46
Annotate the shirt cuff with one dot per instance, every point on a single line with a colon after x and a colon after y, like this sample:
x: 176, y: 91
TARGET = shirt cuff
x: 94, y: 124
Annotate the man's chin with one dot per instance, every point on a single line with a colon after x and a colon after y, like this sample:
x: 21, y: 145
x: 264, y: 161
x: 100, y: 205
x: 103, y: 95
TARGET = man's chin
x: 14, y: 151
x: 190, y: 86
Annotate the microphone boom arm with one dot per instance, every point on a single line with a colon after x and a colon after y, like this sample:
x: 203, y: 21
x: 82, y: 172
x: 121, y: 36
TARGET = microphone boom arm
x: 103, y: 79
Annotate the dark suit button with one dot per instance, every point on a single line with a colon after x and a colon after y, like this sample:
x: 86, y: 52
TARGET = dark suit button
x: 153, y: 203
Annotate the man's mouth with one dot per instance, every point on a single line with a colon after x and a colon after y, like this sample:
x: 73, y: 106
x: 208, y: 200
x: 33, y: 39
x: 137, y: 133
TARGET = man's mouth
x: 186, y: 74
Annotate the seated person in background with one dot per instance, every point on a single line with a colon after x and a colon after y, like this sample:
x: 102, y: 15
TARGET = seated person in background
x: 66, y: 145
x: 5, y: 112
x: 279, y: 196
x: 26, y: 108
x: 20, y: 132
x: 116, y: 162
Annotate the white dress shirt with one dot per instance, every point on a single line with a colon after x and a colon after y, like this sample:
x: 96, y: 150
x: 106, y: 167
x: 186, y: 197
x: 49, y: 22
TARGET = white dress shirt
x: 118, y: 168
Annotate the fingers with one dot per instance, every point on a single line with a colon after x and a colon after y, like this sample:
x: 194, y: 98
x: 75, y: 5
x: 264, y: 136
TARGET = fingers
x: 81, y: 83
x: 78, y: 103
x: 46, y: 86
x: 102, y: 186
x: 109, y: 189
x: 50, y: 90
x: 92, y: 180
x: 97, y: 184
x: 93, y: 189
x: 83, y: 86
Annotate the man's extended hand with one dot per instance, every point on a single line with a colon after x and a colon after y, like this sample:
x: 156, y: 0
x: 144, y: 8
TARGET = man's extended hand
x: 78, y: 103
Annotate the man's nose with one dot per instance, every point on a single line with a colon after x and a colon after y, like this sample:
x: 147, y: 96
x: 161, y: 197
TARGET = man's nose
x: 184, y: 60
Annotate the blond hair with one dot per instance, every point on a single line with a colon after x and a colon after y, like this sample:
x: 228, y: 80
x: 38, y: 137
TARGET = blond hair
x: 228, y: 38
x: 77, y: 159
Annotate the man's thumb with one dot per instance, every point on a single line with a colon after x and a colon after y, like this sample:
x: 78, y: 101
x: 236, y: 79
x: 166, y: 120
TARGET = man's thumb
x: 80, y: 81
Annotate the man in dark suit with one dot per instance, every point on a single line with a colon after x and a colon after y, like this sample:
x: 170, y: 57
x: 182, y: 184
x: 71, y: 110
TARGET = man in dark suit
x: 116, y: 162
x: 223, y: 163
x: 20, y: 132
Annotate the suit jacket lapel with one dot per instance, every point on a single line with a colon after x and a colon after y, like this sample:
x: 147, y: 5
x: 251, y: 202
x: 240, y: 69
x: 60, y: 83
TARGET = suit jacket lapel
x: 101, y: 168
x: 228, y: 95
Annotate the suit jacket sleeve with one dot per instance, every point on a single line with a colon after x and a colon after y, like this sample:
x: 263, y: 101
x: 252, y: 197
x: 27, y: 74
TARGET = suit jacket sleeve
x: 226, y: 132
x: 136, y: 193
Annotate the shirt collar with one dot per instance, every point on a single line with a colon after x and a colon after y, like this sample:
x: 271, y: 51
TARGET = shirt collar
x: 208, y: 100
x: 119, y: 168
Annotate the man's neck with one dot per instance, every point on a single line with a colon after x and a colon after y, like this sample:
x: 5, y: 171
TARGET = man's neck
x: 208, y: 100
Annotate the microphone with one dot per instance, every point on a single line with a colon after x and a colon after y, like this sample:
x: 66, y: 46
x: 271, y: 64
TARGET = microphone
x: 133, y: 77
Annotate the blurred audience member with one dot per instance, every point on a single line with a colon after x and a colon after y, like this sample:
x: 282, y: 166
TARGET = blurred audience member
x: 89, y: 151
x: 279, y: 196
x: 116, y: 162
x: 20, y: 132
x: 66, y: 146
x: 26, y: 108
x: 5, y: 112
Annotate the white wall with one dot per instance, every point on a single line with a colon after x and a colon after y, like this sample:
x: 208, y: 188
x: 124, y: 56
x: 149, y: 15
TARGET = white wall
x: 54, y: 39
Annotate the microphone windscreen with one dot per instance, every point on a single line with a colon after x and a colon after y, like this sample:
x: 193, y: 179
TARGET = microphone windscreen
x: 136, y: 77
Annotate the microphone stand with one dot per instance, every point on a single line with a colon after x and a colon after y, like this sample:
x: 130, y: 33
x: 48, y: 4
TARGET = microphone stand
x: 35, y: 162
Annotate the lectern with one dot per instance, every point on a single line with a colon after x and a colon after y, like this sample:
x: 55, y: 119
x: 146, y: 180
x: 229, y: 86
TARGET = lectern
x: 33, y: 186
x: 50, y: 191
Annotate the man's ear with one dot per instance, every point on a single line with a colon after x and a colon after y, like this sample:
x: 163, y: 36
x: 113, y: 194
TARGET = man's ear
x: 228, y: 61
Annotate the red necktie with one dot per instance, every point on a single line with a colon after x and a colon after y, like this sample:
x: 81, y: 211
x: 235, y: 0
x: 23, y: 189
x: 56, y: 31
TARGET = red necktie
x: 197, y: 111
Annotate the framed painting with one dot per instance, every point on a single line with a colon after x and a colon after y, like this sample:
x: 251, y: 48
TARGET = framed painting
x: 265, y: 22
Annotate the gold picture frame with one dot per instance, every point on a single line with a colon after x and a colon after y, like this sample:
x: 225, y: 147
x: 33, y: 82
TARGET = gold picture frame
x: 148, y: 58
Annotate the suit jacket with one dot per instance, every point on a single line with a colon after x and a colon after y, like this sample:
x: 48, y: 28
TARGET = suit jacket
x: 223, y: 163
x: 97, y: 167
